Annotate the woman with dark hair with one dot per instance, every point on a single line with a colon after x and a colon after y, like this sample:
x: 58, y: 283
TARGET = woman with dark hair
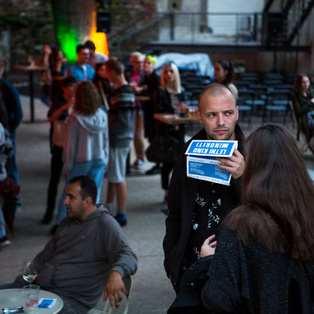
x: 170, y: 95
x: 303, y: 103
x: 263, y: 260
x: 86, y: 146
x: 224, y: 74
x: 103, y: 85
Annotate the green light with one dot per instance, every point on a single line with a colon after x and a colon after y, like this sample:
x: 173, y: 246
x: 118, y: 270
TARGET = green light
x: 68, y: 40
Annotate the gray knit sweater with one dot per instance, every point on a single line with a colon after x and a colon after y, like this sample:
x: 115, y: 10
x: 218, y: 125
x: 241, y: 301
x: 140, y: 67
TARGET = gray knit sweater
x: 76, y: 262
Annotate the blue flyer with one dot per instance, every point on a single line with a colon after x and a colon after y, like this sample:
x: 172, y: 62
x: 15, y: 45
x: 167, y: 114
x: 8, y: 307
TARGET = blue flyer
x: 211, y: 148
x: 202, y: 163
x: 46, y: 303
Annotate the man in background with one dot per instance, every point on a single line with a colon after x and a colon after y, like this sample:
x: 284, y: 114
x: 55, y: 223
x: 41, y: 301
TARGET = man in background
x: 81, y: 70
x: 95, y: 57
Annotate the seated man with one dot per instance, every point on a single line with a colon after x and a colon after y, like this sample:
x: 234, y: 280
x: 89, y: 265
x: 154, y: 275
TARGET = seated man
x: 87, y: 254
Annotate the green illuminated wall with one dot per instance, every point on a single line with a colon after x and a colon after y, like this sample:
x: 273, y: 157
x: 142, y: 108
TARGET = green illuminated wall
x: 73, y: 23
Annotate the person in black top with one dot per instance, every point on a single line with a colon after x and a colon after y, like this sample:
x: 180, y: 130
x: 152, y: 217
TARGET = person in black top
x: 57, y: 114
x: 196, y: 207
x: 150, y: 83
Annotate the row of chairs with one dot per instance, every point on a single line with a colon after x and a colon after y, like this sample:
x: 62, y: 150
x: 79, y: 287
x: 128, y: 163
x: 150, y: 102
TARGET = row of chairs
x: 266, y: 78
x: 267, y: 102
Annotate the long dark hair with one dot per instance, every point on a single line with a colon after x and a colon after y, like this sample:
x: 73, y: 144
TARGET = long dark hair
x: 276, y: 182
x: 227, y: 66
x: 297, y: 85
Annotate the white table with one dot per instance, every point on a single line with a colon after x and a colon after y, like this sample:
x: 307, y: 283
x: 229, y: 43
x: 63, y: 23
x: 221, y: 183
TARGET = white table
x: 14, y: 297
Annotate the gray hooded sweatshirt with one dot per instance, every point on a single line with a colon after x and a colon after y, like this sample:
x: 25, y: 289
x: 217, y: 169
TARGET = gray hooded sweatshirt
x: 86, y: 139
x: 76, y: 262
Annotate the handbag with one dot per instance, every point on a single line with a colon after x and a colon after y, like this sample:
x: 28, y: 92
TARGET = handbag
x: 188, y: 300
x: 164, y: 148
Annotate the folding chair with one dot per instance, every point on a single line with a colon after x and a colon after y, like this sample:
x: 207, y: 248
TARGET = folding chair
x: 278, y: 103
x: 103, y: 307
x: 245, y: 103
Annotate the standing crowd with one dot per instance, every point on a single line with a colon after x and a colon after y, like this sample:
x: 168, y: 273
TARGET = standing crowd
x: 246, y: 247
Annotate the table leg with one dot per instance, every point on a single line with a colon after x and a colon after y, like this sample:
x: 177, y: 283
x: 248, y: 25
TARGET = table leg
x: 181, y: 136
x: 31, y: 95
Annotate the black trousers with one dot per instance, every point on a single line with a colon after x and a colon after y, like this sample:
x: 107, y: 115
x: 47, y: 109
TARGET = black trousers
x: 56, y: 165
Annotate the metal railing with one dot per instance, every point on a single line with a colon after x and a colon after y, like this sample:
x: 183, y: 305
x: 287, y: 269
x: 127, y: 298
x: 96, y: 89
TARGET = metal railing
x: 196, y: 27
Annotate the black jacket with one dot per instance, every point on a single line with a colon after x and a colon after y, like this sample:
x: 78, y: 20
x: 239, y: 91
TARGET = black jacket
x: 181, y: 202
x: 249, y: 279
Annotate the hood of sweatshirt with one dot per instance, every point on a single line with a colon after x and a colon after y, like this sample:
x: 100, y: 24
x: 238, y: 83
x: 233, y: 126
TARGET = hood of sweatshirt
x: 95, y: 123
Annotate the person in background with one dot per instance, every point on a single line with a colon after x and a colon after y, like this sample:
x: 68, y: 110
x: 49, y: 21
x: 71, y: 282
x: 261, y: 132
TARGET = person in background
x: 6, y: 147
x: 168, y: 97
x: 11, y: 99
x: 197, y: 207
x: 263, y: 261
x: 121, y: 132
x: 303, y: 105
x: 224, y: 74
x: 88, y: 256
x: 58, y: 68
x: 150, y: 84
x: 95, y: 57
x: 57, y: 115
x: 104, y: 87
x: 134, y: 77
x: 86, y: 147
x: 45, y: 76
x: 81, y: 70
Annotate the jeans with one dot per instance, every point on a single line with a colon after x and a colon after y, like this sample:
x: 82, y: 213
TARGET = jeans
x: 2, y: 224
x: 94, y: 169
x: 11, y: 164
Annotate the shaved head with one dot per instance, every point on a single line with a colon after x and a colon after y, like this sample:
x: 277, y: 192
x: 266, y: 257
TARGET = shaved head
x: 214, y: 90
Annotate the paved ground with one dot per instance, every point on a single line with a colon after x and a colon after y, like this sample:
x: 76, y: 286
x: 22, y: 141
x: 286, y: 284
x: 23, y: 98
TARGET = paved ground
x: 152, y: 291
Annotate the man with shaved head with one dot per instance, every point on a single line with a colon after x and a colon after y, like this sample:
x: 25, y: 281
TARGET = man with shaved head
x: 196, y: 207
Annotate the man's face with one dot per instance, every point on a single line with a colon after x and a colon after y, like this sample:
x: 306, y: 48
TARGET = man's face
x: 75, y: 205
x: 218, y: 115
x: 137, y: 64
x: 83, y: 56
x: 69, y: 91
x: 109, y: 75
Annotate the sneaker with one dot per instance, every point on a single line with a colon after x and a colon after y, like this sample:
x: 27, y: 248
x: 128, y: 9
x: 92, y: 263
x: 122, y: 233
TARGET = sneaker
x: 121, y: 219
x: 138, y: 164
x: 155, y: 170
x: 4, y: 241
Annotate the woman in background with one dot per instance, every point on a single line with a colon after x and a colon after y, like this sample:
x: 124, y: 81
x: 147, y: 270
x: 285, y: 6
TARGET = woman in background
x: 86, y: 147
x: 169, y: 95
x: 103, y: 85
x: 263, y: 260
x: 224, y: 74
x: 303, y: 103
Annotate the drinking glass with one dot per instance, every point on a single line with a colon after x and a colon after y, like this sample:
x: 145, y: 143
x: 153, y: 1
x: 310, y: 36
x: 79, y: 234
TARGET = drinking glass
x: 29, y: 273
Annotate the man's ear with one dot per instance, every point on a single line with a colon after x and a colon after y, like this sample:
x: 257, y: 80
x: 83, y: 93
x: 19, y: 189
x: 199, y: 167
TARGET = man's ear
x: 87, y: 201
x: 199, y: 116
